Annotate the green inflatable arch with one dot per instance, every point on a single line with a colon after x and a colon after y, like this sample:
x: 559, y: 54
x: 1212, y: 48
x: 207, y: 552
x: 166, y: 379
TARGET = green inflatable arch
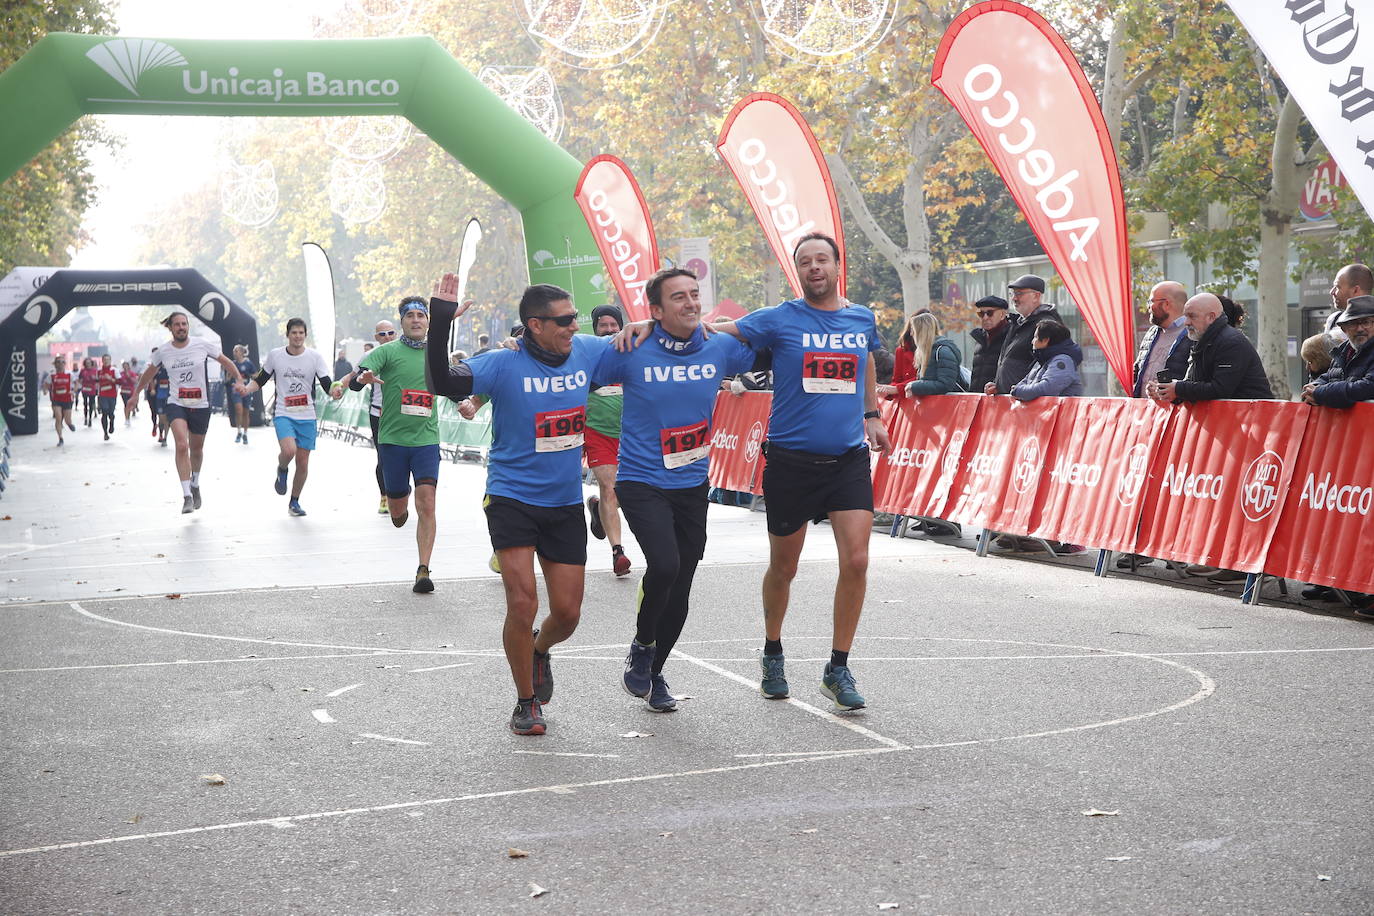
x: 64, y: 76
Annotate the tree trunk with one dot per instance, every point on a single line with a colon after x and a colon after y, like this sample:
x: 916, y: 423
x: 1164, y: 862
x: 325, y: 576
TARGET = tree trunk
x: 1276, y: 230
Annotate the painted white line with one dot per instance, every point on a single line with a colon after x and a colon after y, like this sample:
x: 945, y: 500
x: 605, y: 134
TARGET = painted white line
x: 322, y: 716
x: 183, y: 662
x: 342, y: 690
x: 442, y: 667
x: 394, y: 740
x: 839, y: 753
x: 34, y: 548
x: 430, y: 802
x: 566, y: 754
x: 805, y: 707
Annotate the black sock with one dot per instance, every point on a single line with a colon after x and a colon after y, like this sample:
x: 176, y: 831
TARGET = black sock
x: 772, y: 647
x: 839, y: 659
x: 617, y: 548
x: 525, y: 701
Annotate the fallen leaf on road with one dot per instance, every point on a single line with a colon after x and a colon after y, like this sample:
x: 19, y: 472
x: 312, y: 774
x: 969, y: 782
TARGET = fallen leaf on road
x: 307, y: 689
x: 135, y: 819
x: 537, y: 891
x: 158, y: 556
x: 7, y: 518
x: 517, y: 853
x: 1323, y: 877
x: 638, y: 735
x: 808, y: 830
x: 174, y: 595
x: 212, y: 779
x: 889, y: 906
x: 665, y: 833
x: 1093, y: 812
x: 1118, y: 859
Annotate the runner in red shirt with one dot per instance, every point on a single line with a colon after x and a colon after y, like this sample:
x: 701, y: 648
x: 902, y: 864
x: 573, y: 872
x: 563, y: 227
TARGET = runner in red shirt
x: 108, y: 380
x: 60, y: 387
x: 90, y: 384
x: 128, y: 379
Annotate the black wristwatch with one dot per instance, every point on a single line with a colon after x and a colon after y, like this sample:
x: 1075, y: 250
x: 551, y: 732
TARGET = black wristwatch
x: 871, y: 414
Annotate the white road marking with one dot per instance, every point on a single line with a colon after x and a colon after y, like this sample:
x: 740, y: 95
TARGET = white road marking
x: 564, y: 754
x: 808, y: 753
x: 192, y: 661
x: 322, y: 716
x: 425, y: 803
x: 394, y: 740
x: 342, y: 690
x: 442, y: 667
x: 805, y: 707
x: 34, y: 548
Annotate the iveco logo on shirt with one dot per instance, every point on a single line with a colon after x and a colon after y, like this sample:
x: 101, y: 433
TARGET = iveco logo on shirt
x: 674, y: 345
x: 835, y: 341
x: 159, y: 287
x: 679, y: 373
x: 543, y: 384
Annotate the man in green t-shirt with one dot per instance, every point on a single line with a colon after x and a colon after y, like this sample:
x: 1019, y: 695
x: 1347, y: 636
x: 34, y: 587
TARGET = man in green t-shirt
x: 408, y: 434
x: 601, y: 447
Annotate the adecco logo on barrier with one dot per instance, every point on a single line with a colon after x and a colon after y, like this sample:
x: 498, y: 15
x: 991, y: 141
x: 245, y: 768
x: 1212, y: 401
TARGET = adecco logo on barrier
x: 1135, y: 467
x: 1259, y: 486
x: 954, y: 453
x: 1334, y: 496
x: 753, y: 441
x: 1029, y: 459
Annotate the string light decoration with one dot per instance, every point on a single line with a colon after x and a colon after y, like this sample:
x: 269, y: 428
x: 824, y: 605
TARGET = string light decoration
x: 248, y: 193
x: 594, y: 34
x: 357, y: 190
x: 825, y: 31
x: 367, y: 139
x: 531, y: 93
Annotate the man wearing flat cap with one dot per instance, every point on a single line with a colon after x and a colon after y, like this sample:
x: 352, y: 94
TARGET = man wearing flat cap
x: 989, y: 336
x: 1027, y: 293
x: 1351, y: 376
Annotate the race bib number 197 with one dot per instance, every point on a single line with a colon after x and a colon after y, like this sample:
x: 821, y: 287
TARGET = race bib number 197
x: 685, y: 444
x: 829, y: 373
x: 416, y: 403
x: 558, y: 430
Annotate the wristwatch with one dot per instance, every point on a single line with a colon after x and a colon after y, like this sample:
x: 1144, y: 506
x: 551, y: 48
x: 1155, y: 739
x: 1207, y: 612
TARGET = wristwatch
x: 871, y: 414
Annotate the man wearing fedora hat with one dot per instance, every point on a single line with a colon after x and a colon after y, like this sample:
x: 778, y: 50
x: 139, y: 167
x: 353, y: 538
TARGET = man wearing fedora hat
x: 1027, y: 294
x: 1351, y: 376
x: 988, y: 337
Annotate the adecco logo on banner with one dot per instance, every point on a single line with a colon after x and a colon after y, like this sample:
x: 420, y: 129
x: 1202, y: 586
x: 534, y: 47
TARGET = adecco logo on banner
x: 126, y: 60
x: 954, y: 453
x: 1135, y: 466
x: 753, y: 441
x: 1259, y: 486
x: 1335, y: 496
x: 1029, y: 460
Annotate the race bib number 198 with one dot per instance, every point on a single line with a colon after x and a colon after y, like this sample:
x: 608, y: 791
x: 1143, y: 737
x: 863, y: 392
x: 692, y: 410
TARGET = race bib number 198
x: 829, y: 373
x: 685, y: 444
x: 557, y: 430
x: 416, y: 403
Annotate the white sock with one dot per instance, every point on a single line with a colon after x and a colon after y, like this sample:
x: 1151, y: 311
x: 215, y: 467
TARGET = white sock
x: 186, y: 488
x: 195, y: 478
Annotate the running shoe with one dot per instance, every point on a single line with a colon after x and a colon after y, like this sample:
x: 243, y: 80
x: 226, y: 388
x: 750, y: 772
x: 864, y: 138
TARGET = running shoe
x: 838, y: 685
x: 660, y: 699
x: 619, y: 562
x: 637, y: 678
x: 423, y: 583
x: 280, y: 483
x: 59, y: 441
x: 382, y: 508
x: 774, y: 683
x: 245, y: 438
x: 528, y: 718
x: 71, y: 426
x: 294, y: 507
x: 187, y: 505
x: 107, y: 436
x: 543, y: 675
x: 238, y: 437
x: 594, y: 507
x: 162, y: 442
x: 195, y: 497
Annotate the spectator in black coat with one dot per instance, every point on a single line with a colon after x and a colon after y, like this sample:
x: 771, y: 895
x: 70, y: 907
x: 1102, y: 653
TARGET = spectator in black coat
x: 1016, y: 360
x: 1351, y: 376
x: 988, y: 337
x: 1223, y: 365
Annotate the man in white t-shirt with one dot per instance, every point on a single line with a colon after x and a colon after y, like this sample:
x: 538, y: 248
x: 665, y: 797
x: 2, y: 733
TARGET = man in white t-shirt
x: 188, y: 399
x: 296, y: 368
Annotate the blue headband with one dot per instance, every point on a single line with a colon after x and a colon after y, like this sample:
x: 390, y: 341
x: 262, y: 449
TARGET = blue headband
x: 414, y: 307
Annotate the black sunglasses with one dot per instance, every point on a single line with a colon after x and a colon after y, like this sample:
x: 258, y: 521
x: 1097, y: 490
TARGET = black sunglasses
x: 563, y: 321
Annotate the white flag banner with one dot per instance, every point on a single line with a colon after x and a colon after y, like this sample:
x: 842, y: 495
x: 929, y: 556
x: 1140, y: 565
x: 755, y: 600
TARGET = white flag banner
x: 467, y: 256
x: 1324, y: 51
x: 319, y: 293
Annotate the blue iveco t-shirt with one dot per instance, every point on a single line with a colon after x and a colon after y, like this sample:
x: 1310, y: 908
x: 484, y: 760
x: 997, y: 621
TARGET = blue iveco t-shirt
x: 539, y: 415
x: 670, y: 392
x: 819, y: 361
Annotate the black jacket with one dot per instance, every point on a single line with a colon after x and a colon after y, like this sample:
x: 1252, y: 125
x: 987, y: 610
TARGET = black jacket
x: 1016, y: 359
x: 986, y: 354
x: 1350, y: 378
x: 1176, y: 365
x: 1223, y: 367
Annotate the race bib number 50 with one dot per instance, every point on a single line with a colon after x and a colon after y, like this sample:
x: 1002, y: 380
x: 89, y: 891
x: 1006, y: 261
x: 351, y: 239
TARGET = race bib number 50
x: 829, y: 373
x: 685, y: 444
x: 416, y: 403
x: 558, y: 430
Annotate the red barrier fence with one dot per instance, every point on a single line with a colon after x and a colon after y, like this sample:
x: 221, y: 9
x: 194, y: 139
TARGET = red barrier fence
x: 1269, y: 486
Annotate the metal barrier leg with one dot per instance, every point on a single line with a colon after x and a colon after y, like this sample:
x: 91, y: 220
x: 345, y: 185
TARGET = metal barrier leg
x: 984, y: 540
x: 1104, y: 563
x: 1250, y: 594
x: 898, y: 528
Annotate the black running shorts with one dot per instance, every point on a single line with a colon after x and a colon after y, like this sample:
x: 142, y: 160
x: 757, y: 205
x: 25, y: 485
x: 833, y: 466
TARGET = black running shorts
x: 557, y: 534
x: 197, y: 418
x: 802, y: 486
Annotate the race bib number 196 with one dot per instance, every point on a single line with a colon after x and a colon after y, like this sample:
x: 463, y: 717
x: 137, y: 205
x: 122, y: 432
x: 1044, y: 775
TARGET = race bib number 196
x: 416, y: 403
x: 557, y: 430
x: 685, y: 444
x: 829, y: 373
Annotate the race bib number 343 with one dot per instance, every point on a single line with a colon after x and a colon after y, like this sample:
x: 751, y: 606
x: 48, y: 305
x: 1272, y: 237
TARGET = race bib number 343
x: 415, y: 403
x: 558, y: 430
x: 829, y: 373
x: 685, y: 444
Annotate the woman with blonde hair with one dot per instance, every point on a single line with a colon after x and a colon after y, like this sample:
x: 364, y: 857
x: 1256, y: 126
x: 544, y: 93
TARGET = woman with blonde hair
x: 926, y: 362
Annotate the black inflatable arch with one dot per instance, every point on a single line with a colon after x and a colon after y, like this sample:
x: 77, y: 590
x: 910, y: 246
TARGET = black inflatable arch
x: 70, y: 289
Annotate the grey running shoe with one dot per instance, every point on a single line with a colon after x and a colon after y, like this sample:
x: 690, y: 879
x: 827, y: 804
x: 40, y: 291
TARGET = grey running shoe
x: 774, y: 683
x: 660, y: 699
x: 543, y: 675
x: 838, y: 685
x: 187, y: 505
x: 423, y: 583
x: 195, y: 497
x: 294, y: 508
x: 637, y: 677
x: 528, y: 719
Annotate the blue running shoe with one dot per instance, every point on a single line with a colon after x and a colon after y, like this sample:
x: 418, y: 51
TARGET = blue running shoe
x: 280, y: 484
x: 294, y: 507
x: 543, y: 675
x: 636, y: 679
x: 660, y: 699
x: 774, y: 684
x: 528, y: 719
x: 838, y: 685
